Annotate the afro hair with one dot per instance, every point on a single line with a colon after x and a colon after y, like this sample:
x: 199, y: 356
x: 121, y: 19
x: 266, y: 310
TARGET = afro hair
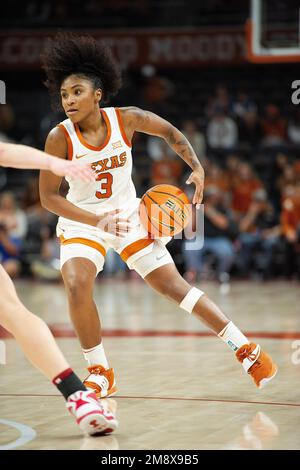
x: 67, y: 54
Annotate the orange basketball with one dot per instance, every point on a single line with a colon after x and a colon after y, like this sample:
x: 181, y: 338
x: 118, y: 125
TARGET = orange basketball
x: 164, y: 210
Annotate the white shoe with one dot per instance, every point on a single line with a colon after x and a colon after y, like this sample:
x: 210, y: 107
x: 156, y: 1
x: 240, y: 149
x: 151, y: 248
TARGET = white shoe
x: 90, y: 415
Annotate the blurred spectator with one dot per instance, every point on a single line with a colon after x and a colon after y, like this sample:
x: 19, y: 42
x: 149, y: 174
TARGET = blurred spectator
x: 40, y: 252
x: 155, y: 94
x: 13, y: 228
x: 276, y: 183
x: 250, y: 131
x: 222, y: 131
x: 167, y: 170
x: 217, y: 177
x: 231, y: 170
x: 290, y: 222
x: 219, y: 231
x: 11, y: 216
x: 195, y: 137
x: 281, y: 161
x: 296, y: 167
x: 45, y: 265
x: 31, y: 197
x: 287, y: 181
x: 37, y: 216
x: 158, y: 148
x: 220, y: 100
x: 294, y: 128
x: 274, y: 127
x: 244, y: 186
x: 242, y: 105
x: 260, y: 232
x: 114, y: 265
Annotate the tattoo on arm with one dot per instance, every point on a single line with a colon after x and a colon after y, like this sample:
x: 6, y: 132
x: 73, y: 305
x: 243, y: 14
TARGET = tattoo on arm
x: 142, y: 117
x: 145, y: 121
x: 183, y: 148
x: 137, y: 118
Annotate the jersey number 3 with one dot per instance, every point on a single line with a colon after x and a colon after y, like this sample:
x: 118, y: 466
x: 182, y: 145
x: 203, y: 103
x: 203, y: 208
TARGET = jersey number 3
x: 106, y: 184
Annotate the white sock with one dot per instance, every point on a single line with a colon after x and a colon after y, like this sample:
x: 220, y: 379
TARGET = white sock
x: 233, y: 337
x: 96, y: 356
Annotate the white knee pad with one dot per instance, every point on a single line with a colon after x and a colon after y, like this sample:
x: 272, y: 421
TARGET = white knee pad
x: 191, y: 298
x: 158, y: 256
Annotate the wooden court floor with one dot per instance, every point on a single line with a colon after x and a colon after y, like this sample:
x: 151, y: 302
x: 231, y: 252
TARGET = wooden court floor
x: 179, y: 386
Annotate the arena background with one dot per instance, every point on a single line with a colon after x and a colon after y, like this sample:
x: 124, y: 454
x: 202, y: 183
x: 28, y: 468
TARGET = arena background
x: 186, y: 61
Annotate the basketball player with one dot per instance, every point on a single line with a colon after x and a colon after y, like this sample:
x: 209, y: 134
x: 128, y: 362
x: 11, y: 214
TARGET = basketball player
x: 31, y: 332
x: 82, y: 74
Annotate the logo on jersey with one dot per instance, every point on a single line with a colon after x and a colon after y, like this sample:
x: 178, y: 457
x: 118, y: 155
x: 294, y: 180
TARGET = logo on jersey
x: 116, y: 145
x: 116, y: 161
x: 80, y: 156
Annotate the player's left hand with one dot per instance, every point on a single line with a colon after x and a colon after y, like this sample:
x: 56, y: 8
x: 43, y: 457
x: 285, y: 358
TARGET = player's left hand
x: 112, y: 223
x: 197, y: 177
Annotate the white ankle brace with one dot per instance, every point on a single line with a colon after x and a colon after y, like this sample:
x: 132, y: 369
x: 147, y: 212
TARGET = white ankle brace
x: 191, y: 298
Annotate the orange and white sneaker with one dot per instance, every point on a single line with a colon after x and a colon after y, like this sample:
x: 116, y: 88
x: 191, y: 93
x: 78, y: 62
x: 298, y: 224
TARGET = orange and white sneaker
x: 257, y: 363
x: 101, y: 381
x: 90, y: 415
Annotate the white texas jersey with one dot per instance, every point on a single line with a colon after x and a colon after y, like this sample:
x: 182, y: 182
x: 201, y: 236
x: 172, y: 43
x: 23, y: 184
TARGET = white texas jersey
x: 112, y: 163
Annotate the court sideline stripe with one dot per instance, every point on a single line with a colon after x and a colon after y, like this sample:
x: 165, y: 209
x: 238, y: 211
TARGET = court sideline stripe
x: 64, y: 330
x: 214, y: 400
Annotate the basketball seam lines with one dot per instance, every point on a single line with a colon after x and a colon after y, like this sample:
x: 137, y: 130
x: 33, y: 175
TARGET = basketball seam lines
x: 169, y: 194
x: 161, y: 208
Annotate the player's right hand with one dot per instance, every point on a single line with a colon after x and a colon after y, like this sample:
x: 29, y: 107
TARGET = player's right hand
x: 111, y: 222
x: 71, y: 169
